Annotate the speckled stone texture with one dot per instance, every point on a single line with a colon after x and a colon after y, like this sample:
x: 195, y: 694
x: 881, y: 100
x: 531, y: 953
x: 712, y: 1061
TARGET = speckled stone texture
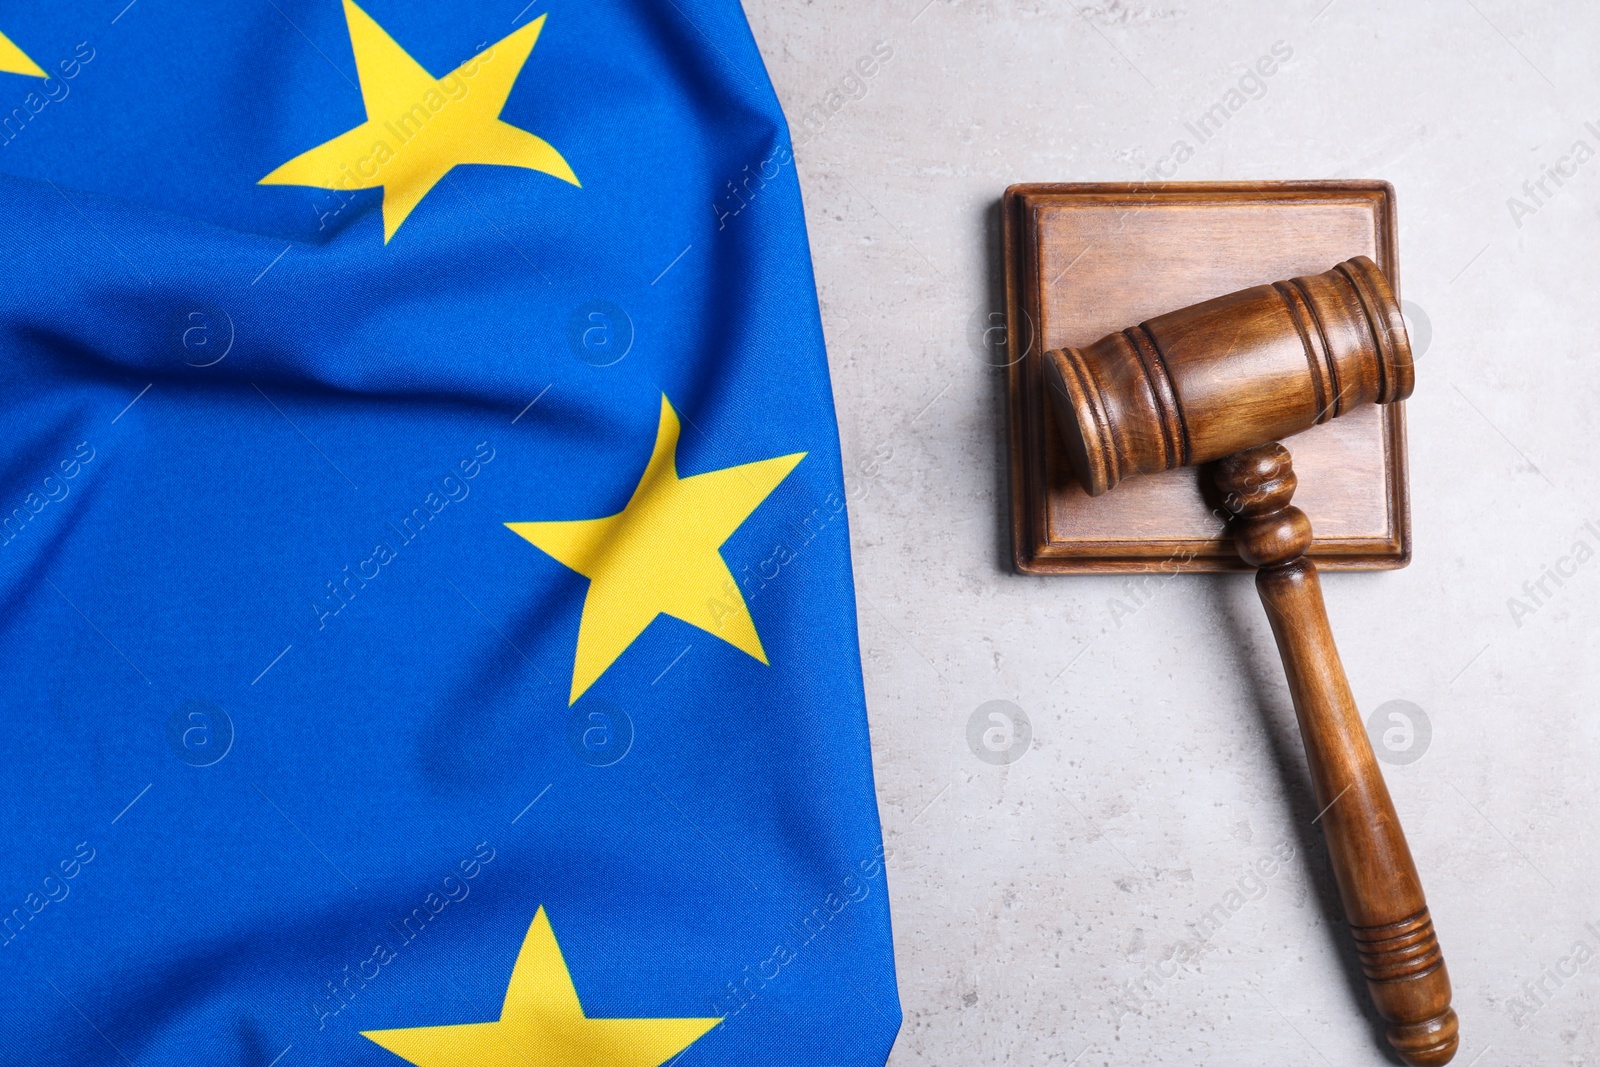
x: 1141, y: 884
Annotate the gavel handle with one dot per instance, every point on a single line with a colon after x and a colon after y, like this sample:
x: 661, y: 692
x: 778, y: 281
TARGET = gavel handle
x: 1378, y: 881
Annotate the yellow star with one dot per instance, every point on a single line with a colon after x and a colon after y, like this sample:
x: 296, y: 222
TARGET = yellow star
x: 542, y: 1024
x: 14, y: 60
x: 418, y: 127
x: 661, y: 554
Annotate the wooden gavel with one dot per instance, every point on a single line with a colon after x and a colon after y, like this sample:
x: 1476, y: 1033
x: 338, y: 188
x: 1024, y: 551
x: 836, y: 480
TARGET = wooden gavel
x: 1223, y: 380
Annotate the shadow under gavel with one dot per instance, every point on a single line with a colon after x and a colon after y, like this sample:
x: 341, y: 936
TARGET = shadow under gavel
x: 1223, y: 380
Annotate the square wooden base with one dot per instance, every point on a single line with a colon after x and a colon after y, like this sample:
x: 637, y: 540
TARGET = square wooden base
x: 1085, y: 260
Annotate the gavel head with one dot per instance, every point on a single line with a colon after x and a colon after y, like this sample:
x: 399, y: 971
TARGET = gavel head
x: 1241, y: 370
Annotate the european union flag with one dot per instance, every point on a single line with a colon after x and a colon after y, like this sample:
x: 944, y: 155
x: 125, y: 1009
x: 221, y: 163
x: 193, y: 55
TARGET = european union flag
x: 428, y: 631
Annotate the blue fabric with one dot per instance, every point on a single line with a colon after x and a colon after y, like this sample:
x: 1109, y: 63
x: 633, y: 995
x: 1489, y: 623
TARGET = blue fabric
x: 242, y: 749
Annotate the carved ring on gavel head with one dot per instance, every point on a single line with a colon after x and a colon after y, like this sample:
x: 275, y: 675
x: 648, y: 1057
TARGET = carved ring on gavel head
x: 1247, y: 368
x: 1223, y: 380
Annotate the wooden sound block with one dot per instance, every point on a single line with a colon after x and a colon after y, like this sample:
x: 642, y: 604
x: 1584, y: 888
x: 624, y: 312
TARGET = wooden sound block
x: 1084, y: 260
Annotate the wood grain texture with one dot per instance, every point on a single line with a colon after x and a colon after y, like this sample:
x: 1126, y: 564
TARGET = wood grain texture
x: 1378, y: 882
x: 1214, y: 383
x: 1083, y: 260
x: 1205, y: 381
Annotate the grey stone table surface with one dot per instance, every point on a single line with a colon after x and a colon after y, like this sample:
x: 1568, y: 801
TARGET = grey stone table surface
x: 1143, y: 883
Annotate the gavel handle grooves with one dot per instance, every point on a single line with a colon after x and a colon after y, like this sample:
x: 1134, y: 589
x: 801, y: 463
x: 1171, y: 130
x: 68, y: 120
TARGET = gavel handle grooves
x: 1378, y: 883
